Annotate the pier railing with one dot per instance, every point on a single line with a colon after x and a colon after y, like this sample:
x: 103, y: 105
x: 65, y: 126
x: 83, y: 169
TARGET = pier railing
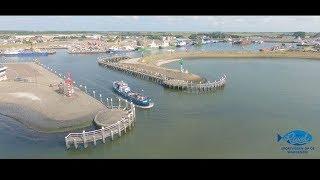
x: 124, y: 124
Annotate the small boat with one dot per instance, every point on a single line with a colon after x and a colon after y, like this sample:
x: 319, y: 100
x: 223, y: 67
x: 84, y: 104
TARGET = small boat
x: 124, y: 91
x: 181, y: 43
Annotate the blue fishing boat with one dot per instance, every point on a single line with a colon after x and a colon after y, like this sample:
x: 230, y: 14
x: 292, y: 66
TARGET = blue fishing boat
x: 124, y: 91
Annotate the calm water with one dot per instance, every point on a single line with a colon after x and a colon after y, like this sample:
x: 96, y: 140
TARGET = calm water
x: 263, y: 97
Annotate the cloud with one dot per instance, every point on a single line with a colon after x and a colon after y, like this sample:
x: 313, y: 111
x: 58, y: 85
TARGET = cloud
x: 162, y: 23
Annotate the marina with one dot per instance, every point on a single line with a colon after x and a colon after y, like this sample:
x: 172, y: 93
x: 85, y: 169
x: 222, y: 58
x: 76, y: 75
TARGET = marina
x: 159, y: 87
x: 236, y: 108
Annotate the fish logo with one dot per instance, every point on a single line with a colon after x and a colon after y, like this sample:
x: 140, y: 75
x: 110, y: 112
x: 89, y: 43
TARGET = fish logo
x: 296, y: 137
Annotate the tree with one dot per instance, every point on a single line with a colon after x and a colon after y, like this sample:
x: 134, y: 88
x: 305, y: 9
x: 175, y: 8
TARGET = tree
x: 193, y: 36
x: 299, y: 34
x: 179, y: 36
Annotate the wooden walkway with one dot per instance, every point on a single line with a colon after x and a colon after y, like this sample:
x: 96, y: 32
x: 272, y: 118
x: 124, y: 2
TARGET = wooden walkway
x: 164, y: 80
x: 122, y: 125
x: 189, y: 86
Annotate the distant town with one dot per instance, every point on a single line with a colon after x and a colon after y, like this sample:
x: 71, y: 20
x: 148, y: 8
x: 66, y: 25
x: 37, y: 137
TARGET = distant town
x: 14, y: 42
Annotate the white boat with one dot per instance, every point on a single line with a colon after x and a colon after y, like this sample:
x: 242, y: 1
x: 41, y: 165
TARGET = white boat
x: 204, y: 41
x: 181, y: 43
x: 3, y: 75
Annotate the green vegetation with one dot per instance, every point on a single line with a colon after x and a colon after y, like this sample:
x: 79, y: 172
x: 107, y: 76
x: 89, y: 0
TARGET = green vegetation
x: 299, y: 34
x: 179, y: 36
x: 154, y: 36
x: 4, y: 36
x: 213, y: 35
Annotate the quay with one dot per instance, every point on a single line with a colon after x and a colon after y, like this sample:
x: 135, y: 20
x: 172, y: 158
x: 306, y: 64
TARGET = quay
x: 168, y: 78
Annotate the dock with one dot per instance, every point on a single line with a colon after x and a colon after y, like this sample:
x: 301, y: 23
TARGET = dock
x: 168, y: 78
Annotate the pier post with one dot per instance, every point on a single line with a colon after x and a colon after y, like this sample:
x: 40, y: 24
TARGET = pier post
x: 126, y: 104
x: 131, y: 105
x: 111, y: 135
x: 111, y: 103
x: 94, y: 94
x: 94, y: 140
x: 129, y: 121
x: 75, y: 143
x: 84, y: 138
x: 119, y: 129
x: 100, y: 97
x: 124, y: 126
x: 134, y: 111
x: 119, y: 103
x: 85, y: 88
x: 67, y: 143
x: 103, y: 135
x: 132, y: 120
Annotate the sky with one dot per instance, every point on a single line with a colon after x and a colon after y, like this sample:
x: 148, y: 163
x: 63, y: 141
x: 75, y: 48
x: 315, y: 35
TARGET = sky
x: 162, y: 23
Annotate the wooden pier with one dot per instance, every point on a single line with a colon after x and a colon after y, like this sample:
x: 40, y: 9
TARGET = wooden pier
x: 164, y: 80
x: 107, y: 130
